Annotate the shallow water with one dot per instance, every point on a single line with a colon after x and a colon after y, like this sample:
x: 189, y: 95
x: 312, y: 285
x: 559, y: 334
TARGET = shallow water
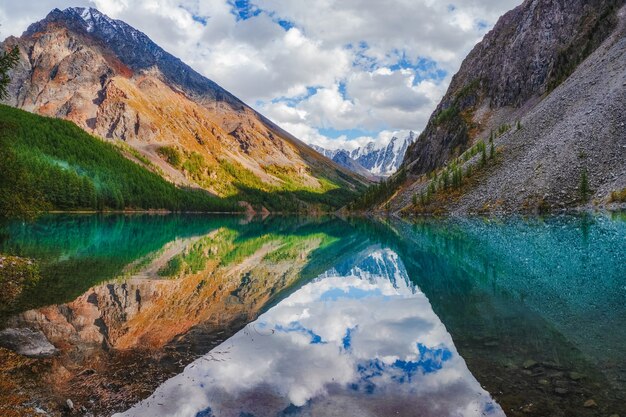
x: 226, y: 316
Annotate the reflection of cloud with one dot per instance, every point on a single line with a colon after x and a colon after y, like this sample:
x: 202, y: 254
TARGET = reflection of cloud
x: 368, y: 348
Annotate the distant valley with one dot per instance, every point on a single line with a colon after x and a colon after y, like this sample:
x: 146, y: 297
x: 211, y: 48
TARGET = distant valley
x: 533, y: 121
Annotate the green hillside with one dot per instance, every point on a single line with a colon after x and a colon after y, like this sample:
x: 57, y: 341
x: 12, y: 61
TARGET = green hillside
x: 51, y: 164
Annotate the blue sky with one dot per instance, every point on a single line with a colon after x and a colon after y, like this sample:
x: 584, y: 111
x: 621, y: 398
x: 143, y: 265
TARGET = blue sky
x: 332, y: 72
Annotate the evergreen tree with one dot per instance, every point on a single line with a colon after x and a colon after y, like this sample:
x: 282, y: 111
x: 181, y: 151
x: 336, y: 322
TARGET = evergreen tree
x: 483, y: 157
x: 8, y: 60
x: 584, y: 186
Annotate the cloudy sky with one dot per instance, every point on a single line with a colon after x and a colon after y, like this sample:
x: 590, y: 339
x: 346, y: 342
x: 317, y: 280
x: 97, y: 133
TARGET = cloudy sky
x: 329, y: 71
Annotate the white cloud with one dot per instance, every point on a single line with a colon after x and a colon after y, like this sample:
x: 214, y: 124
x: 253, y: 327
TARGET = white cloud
x: 346, y: 50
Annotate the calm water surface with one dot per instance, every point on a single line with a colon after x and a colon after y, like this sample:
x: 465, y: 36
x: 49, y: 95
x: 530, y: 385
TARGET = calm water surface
x: 226, y: 316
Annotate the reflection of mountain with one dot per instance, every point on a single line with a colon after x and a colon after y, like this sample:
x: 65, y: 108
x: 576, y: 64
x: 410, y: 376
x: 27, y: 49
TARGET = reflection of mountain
x: 173, y: 303
x: 351, y: 341
x: 535, y: 309
x: 374, y: 264
x: 77, y: 252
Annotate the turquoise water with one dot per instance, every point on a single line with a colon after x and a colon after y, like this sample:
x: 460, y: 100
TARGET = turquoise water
x: 226, y: 316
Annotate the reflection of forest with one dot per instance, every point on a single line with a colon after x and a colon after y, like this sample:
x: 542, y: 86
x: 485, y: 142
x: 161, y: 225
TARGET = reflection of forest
x: 160, y: 307
x: 535, y: 307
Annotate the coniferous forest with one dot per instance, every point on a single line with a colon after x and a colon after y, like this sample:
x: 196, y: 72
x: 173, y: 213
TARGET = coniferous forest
x: 51, y: 164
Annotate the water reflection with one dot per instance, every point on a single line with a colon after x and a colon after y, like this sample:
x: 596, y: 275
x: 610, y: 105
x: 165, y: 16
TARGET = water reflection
x: 359, y: 338
x: 161, y: 305
x: 348, y: 316
x: 537, y: 307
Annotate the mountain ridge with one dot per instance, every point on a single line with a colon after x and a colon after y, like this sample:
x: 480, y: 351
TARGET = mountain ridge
x: 114, y: 82
x: 107, y: 30
x: 378, y: 160
x: 523, y: 57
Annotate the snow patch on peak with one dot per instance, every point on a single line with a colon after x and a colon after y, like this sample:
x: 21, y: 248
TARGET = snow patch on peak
x: 91, y: 18
x: 87, y: 15
x: 381, y: 159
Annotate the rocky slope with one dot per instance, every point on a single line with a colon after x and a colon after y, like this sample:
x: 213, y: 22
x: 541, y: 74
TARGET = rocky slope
x: 550, y: 82
x: 380, y: 161
x: 114, y: 82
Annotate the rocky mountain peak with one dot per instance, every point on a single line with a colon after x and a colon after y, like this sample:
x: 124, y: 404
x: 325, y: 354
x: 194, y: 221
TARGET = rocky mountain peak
x: 545, y: 91
x: 378, y: 159
x: 93, y: 20
x: 135, y: 50
x: 90, y: 20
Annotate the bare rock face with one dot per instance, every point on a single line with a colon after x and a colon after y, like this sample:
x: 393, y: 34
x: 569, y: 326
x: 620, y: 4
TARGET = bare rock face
x: 115, y: 119
x: 27, y: 342
x: 114, y: 82
x: 554, y: 73
x: 529, y: 52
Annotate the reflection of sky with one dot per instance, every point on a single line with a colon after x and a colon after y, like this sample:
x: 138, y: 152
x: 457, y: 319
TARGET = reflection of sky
x: 363, y: 343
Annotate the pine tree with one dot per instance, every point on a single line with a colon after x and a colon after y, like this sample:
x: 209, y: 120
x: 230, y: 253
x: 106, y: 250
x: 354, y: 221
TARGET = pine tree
x: 584, y: 186
x: 8, y: 60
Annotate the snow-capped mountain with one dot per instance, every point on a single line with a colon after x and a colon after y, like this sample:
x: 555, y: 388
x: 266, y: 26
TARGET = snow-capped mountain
x: 376, y: 265
x: 377, y: 160
x: 342, y: 158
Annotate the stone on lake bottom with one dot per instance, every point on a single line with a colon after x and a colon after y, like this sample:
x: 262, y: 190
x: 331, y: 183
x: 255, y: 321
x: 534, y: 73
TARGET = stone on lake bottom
x: 575, y: 376
x: 590, y: 404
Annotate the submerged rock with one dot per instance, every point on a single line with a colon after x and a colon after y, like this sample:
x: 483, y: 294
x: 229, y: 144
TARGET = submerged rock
x: 529, y: 364
x: 27, y: 342
x: 590, y: 404
x: 575, y: 376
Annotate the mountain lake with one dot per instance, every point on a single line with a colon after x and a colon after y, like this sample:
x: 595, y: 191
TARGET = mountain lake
x: 194, y: 315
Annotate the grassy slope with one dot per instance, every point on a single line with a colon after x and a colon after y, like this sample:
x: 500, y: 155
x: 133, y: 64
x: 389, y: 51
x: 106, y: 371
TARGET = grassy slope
x: 52, y: 164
